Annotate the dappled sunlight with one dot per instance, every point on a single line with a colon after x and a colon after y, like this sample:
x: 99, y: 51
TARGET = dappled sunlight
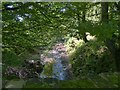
x: 72, y: 44
x: 102, y: 50
x: 90, y: 37
x: 55, y: 45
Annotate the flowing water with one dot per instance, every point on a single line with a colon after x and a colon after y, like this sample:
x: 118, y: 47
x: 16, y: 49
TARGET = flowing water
x: 58, y: 68
x: 61, y: 66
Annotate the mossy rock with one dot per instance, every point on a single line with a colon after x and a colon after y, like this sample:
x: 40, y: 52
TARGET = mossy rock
x: 15, y: 84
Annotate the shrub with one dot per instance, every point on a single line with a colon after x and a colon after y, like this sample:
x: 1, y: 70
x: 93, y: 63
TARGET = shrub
x: 92, y: 58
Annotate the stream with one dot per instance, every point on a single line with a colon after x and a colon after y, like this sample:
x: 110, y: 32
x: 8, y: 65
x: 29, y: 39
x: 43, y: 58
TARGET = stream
x: 61, y: 66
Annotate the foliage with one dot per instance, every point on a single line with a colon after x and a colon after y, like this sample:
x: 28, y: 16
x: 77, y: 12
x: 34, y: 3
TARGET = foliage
x: 92, y: 58
x: 43, y: 23
x: 31, y: 28
x: 10, y: 58
x: 106, y: 80
x: 95, y: 82
x: 72, y: 44
x: 38, y: 85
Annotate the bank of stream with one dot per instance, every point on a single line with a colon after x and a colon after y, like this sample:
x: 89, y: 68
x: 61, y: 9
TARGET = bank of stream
x: 57, y: 74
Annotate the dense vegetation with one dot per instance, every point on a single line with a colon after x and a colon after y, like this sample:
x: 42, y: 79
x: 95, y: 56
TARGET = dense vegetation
x: 32, y: 28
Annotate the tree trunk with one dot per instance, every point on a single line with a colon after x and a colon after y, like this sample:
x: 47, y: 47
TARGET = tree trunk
x: 83, y: 16
x: 104, y: 16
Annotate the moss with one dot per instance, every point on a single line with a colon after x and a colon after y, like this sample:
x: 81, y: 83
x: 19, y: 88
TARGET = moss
x: 48, y: 69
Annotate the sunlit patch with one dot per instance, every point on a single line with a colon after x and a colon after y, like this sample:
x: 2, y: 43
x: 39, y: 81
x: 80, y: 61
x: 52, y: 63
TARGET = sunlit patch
x: 72, y: 44
x: 90, y: 37
x: 10, y: 6
x: 63, y: 10
x: 19, y: 18
x: 30, y: 7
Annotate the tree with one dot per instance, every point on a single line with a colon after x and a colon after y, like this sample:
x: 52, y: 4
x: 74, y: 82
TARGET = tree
x: 104, y: 16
